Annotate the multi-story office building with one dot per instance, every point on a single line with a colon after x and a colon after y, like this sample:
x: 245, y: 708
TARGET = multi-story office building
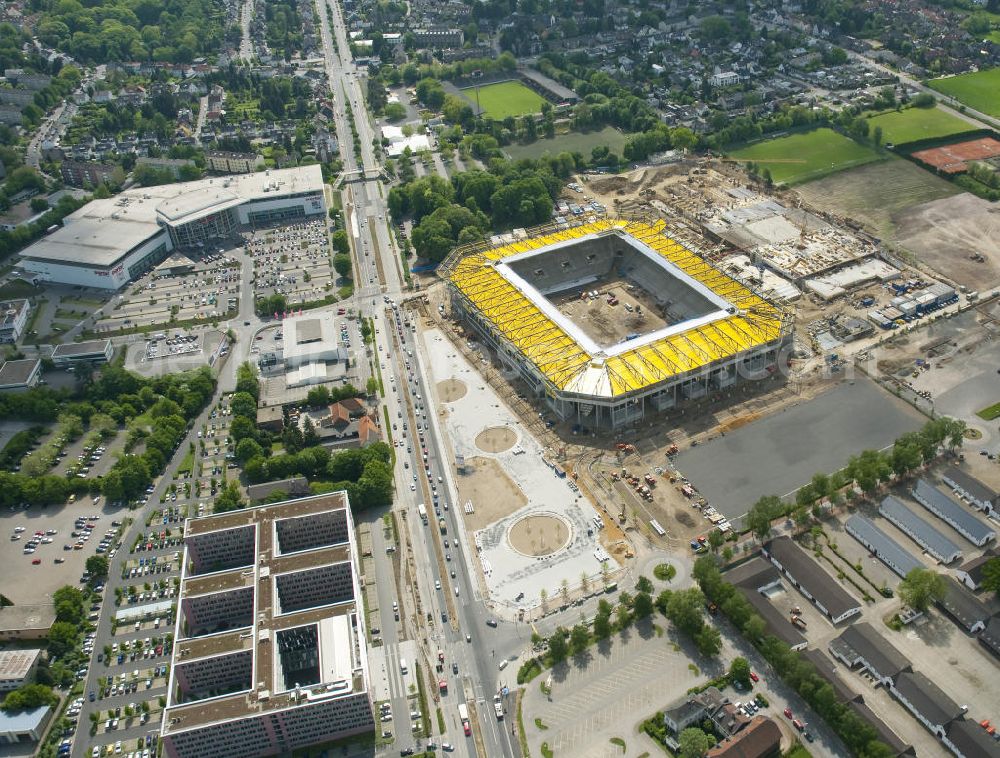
x: 13, y: 317
x: 270, y: 652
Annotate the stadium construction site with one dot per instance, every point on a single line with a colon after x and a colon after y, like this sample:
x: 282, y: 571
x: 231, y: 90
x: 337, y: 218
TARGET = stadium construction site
x: 613, y: 319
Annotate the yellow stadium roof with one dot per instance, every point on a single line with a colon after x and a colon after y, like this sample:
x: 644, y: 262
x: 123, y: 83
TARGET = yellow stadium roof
x: 566, y: 363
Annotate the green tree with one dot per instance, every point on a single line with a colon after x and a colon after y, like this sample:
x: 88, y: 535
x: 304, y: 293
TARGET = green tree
x: 761, y: 514
x: 29, y: 696
x: 579, y: 638
x: 991, y: 576
x: 229, y: 499
x: 63, y: 638
x: 715, y: 540
x: 643, y: 584
x: 739, y: 671
x: 921, y: 587
x: 708, y: 640
x: 97, y: 565
x: 602, y: 625
x: 558, y: 649
x: 642, y: 606
x: 246, y: 449
x: 685, y: 610
x: 244, y: 404
x: 694, y: 743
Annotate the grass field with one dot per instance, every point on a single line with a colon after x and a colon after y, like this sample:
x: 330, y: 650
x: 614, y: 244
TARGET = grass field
x: 918, y: 123
x: 990, y: 412
x: 809, y: 155
x: 979, y: 90
x: 574, y: 142
x: 505, y: 99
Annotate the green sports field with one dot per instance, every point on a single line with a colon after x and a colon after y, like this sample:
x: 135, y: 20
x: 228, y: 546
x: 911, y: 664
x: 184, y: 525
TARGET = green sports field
x: 979, y: 90
x: 913, y: 124
x: 809, y: 155
x: 505, y: 99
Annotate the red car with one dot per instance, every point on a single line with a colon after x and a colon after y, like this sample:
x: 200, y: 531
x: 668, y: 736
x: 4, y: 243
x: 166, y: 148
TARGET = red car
x: 754, y: 677
x: 36, y: 562
x: 788, y: 713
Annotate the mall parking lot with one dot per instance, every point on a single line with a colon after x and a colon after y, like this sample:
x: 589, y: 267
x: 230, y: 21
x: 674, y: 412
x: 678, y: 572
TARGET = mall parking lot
x: 208, y: 290
x: 293, y: 261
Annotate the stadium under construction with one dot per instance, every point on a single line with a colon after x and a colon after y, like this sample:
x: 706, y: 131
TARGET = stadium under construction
x: 612, y: 319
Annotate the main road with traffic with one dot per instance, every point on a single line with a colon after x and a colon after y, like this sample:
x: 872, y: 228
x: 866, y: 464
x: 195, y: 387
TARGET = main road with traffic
x: 446, y: 610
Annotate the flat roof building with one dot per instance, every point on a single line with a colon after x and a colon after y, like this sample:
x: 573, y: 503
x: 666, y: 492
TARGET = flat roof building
x: 884, y: 547
x: 270, y: 654
x: 20, y: 375
x: 112, y: 241
x: 26, y: 622
x: 17, y: 667
x: 953, y: 514
x: 18, y: 727
x: 92, y: 351
x: 923, y: 533
x: 811, y: 580
x: 968, y: 487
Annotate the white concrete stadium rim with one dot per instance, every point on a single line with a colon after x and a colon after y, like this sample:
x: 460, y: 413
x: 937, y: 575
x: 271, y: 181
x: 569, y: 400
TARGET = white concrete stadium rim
x: 540, y: 301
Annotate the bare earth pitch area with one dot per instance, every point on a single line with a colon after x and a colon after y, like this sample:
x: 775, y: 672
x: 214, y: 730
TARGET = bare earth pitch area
x: 944, y: 233
x: 496, y: 439
x: 635, y: 311
x: 493, y: 494
x: 451, y: 390
x: 862, y: 193
x: 539, y: 535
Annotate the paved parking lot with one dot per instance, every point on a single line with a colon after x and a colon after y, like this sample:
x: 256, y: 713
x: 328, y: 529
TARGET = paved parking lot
x: 293, y: 261
x: 209, y: 290
x: 26, y: 582
x: 778, y: 454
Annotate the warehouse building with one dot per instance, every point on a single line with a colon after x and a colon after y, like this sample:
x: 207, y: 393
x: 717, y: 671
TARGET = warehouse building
x: 942, y: 506
x: 969, y: 488
x: 271, y: 654
x: 990, y: 636
x: 966, y: 739
x: 811, y: 580
x: 884, y: 547
x: 921, y: 532
x: 927, y: 702
x: 754, y: 579
x: 112, y: 241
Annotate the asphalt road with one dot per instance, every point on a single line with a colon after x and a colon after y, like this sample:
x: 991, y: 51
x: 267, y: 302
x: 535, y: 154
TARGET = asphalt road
x: 366, y: 214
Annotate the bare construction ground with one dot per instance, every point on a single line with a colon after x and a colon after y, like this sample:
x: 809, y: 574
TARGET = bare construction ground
x: 496, y: 439
x: 493, y: 494
x: 944, y: 233
x: 609, y: 324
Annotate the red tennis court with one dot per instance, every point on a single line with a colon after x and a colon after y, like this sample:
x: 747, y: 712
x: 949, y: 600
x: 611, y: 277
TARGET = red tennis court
x: 951, y: 159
